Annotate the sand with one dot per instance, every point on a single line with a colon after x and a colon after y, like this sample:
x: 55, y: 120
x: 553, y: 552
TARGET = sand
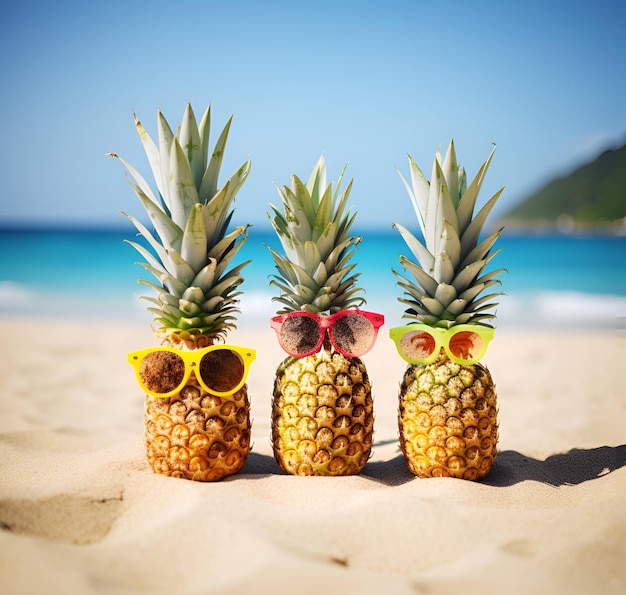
x: 81, y: 511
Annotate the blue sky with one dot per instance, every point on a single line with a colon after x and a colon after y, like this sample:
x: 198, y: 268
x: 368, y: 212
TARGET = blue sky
x: 363, y: 82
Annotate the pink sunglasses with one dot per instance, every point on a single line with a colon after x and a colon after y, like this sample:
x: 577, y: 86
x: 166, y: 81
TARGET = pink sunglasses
x: 351, y: 332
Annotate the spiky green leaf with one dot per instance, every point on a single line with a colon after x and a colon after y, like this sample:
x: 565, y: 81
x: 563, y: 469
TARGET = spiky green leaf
x: 470, y: 236
x: 421, y: 253
x: 182, y: 188
x: 194, y: 242
x: 450, y: 169
x: 152, y: 152
x: 191, y: 143
x: 208, y: 187
x: 465, y: 209
x: 166, y: 138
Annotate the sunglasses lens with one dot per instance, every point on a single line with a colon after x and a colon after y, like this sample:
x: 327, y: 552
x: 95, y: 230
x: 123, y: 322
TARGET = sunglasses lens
x: 466, y: 345
x: 299, y: 334
x: 418, y: 345
x: 222, y: 370
x: 353, y: 334
x: 161, y: 371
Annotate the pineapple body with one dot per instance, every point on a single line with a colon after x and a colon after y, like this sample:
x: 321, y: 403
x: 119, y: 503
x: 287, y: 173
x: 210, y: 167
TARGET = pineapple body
x: 448, y: 419
x: 322, y: 415
x: 197, y: 435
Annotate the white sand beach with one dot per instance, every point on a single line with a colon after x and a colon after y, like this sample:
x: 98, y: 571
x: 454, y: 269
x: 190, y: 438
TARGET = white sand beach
x: 81, y: 512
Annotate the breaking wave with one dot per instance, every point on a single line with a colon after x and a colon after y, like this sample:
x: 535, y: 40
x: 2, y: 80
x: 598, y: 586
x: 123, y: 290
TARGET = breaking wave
x: 562, y: 309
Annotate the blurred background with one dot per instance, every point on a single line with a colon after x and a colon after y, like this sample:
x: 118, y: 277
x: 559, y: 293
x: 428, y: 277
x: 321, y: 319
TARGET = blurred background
x: 364, y: 83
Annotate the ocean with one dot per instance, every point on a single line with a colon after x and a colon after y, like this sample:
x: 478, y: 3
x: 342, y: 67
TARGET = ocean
x: 552, y: 281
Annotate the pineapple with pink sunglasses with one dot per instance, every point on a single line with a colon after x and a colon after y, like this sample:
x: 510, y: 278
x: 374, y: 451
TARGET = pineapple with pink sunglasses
x: 322, y: 407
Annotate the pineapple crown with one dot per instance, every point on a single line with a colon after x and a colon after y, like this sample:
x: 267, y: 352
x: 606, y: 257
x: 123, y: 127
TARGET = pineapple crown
x: 314, y: 275
x: 191, y: 247
x: 448, y: 285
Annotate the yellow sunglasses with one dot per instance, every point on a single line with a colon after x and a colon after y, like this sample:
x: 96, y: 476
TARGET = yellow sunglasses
x: 420, y: 344
x: 220, y: 369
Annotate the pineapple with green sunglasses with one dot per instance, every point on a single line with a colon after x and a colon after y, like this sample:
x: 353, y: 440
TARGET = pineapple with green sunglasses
x: 447, y: 404
x: 197, y: 415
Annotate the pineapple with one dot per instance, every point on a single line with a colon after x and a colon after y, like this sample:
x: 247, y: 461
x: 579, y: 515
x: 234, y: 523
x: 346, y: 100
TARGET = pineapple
x: 192, y: 434
x: 448, y: 410
x: 322, y: 408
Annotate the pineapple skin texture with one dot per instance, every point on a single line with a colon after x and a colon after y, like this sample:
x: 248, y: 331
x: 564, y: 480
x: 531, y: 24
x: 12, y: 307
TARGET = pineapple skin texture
x: 197, y: 435
x: 448, y: 420
x: 322, y: 415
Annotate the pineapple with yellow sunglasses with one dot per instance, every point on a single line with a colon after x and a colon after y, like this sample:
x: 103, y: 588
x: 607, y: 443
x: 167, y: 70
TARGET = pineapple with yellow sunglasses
x: 447, y: 404
x: 197, y: 415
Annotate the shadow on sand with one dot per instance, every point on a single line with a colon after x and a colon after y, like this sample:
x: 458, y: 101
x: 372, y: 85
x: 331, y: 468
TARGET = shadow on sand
x: 258, y: 465
x: 570, y: 468
x: 511, y: 467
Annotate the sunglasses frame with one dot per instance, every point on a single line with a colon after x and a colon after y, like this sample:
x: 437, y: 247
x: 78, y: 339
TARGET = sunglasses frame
x: 192, y: 361
x: 326, y: 324
x: 442, y: 339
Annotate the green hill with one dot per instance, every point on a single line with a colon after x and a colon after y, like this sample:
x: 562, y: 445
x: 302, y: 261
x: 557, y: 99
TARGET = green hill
x: 592, y: 195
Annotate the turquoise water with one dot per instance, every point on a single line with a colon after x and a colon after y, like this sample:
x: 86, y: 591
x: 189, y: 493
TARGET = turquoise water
x: 552, y: 280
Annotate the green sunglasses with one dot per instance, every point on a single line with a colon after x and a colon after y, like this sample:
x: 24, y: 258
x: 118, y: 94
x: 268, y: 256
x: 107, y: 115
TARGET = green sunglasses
x: 421, y: 344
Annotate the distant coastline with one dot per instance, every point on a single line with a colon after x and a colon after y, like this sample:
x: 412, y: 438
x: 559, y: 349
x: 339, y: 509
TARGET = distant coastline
x: 564, y: 225
x: 589, y: 200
